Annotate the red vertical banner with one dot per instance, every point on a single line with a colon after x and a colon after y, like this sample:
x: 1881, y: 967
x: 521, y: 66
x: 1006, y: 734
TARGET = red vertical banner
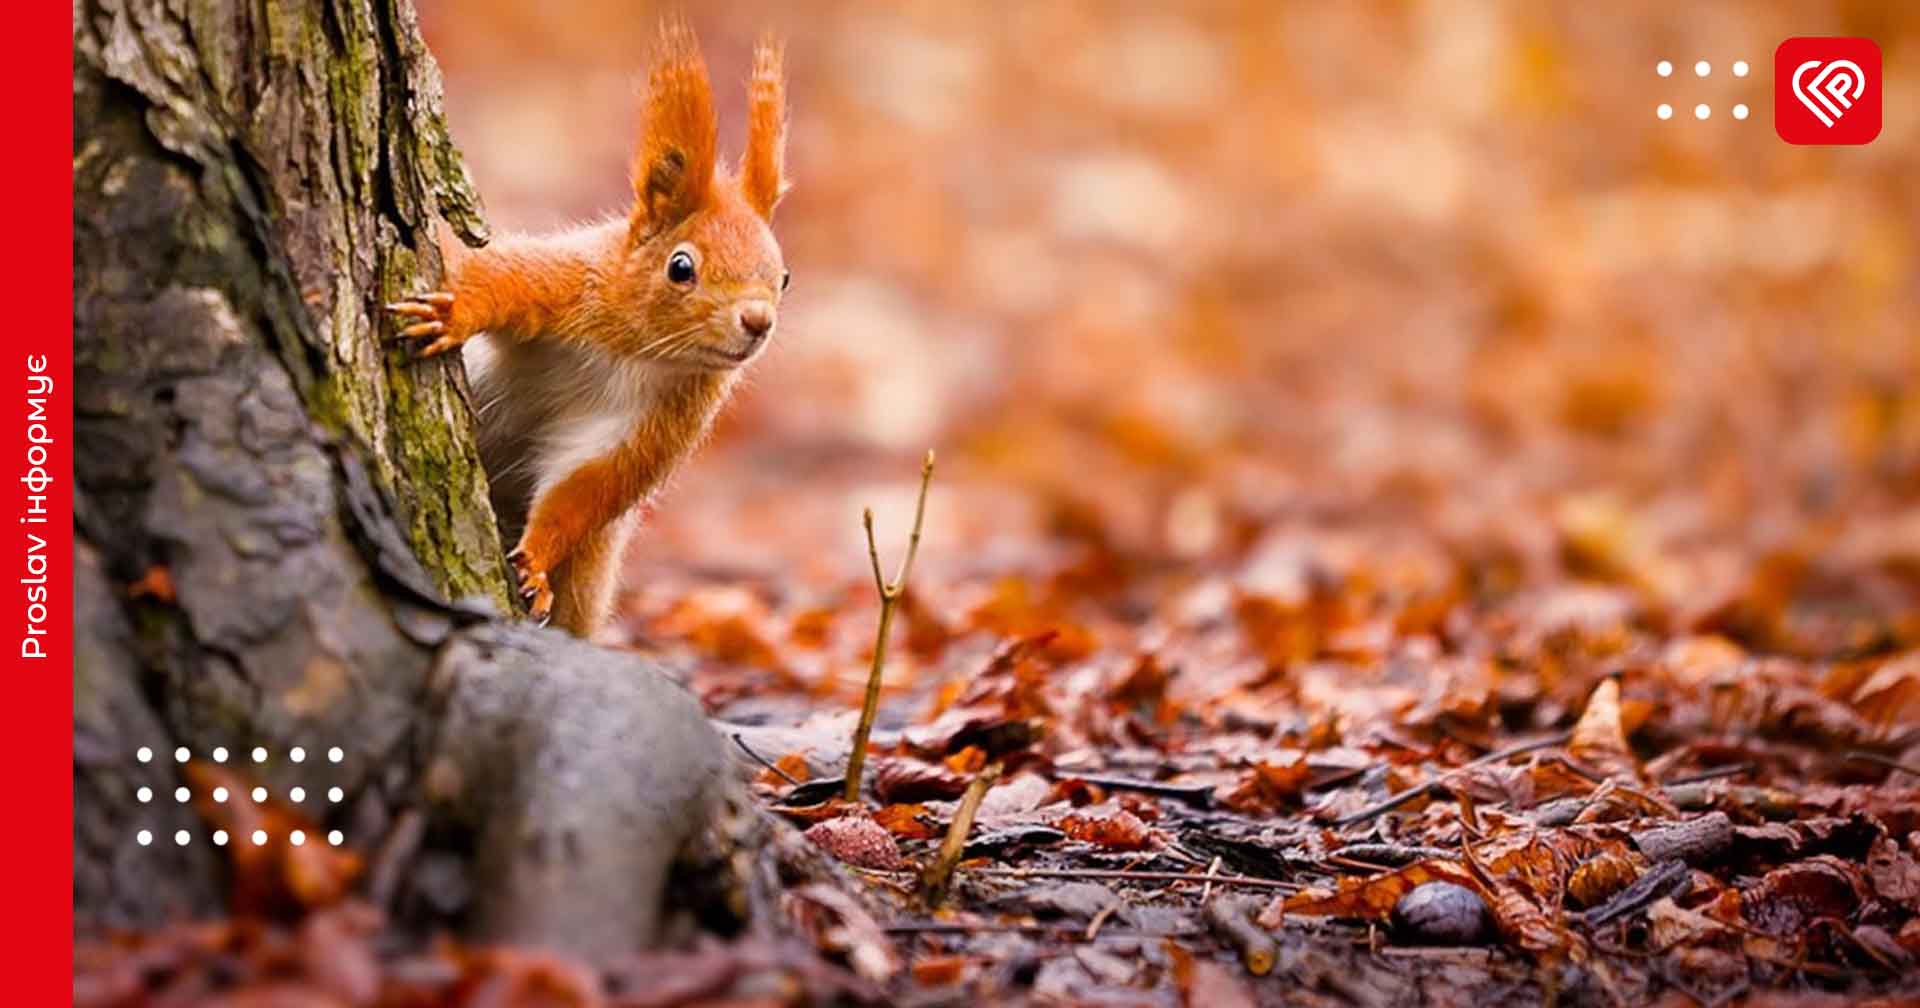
x: 36, y: 372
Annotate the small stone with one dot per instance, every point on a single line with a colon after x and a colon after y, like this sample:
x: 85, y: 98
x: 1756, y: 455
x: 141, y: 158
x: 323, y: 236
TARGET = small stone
x: 1441, y: 913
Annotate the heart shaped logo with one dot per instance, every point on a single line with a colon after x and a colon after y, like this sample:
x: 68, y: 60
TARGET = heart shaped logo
x: 1829, y: 89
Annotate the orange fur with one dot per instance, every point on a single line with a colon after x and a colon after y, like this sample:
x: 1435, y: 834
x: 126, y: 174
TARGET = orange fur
x: 762, y: 166
x: 608, y: 349
x: 673, y: 167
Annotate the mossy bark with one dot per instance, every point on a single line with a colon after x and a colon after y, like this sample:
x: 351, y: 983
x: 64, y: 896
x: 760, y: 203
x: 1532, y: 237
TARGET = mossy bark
x: 282, y: 522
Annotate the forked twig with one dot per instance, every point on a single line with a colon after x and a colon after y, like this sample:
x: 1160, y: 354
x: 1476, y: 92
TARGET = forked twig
x: 890, y: 592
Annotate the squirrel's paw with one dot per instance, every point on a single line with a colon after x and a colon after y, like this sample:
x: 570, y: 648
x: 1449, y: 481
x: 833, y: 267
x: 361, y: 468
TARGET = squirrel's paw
x: 430, y: 314
x: 534, y: 589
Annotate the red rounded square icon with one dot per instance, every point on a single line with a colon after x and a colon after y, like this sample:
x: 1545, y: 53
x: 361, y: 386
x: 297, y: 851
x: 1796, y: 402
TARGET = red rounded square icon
x: 1826, y: 91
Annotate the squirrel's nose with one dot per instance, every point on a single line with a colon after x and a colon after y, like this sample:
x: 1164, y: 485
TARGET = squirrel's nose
x: 756, y: 317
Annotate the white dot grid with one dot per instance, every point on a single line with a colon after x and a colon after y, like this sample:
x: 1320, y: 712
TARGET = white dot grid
x: 220, y: 838
x: 1702, y: 111
x: 219, y: 754
x: 259, y: 754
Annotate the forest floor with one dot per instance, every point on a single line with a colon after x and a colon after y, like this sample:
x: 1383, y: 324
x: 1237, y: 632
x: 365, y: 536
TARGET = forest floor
x: 1488, y: 573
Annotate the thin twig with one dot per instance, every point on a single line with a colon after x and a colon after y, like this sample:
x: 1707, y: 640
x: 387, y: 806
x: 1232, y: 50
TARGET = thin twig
x: 919, y: 517
x: 1891, y: 764
x: 940, y: 872
x: 1064, y: 930
x: 1100, y: 919
x: 1197, y: 795
x: 762, y: 760
x: 1206, y: 891
x: 1716, y: 773
x: 889, y: 594
x: 1134, y: 876
x: 1557, y: 738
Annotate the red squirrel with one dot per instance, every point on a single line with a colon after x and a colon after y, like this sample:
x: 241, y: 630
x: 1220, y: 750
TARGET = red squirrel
x: 599, y: 355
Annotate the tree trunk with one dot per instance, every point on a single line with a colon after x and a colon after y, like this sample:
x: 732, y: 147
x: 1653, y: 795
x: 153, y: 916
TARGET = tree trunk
x: 282, y: 525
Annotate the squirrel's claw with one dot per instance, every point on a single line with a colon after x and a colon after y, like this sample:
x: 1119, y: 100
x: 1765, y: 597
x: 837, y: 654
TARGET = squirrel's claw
x: 434, y: 312
x: 534, y: 589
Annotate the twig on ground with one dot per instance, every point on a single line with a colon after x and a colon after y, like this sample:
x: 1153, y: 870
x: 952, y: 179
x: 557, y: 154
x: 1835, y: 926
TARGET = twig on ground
x: 1664, y: 878
x: 1100, y: 919
x: 1693, y: 841
x: 762, y: 760
x: 1392, y: 855
x: 1878, y: 760
x: 890, y: 592
x: 1199, y: 796
x: 1135, y: 876
x: 1062, y: 930
x: 1206, y: 891
x: 1716, y: 773
x: 940, y: 872
x: 1232, y: 919
x: 1548, y: 742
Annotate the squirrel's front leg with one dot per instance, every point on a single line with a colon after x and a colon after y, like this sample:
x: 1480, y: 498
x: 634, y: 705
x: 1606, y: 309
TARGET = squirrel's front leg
x: 513, y: 288
x: 564, y: 515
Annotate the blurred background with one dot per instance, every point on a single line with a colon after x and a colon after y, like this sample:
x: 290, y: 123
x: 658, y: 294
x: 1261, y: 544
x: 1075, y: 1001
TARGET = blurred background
x: 1222, y: 313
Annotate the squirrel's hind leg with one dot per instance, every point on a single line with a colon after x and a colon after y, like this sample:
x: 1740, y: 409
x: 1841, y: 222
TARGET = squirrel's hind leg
x: 584, y: 583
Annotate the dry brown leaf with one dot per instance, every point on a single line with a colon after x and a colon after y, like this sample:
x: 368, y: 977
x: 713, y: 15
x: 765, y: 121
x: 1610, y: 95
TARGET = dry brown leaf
x: 1114, y: 829
x: 903, y: 779
x: 1599, y: 740
x: 907, y: 822
x: 1370, y: 898
x: 1270, y: 787
x: 1895, y: 874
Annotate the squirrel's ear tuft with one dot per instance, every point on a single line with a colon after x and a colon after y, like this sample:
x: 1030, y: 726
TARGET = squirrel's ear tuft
x: 763, y: 166
x: 673, y: 167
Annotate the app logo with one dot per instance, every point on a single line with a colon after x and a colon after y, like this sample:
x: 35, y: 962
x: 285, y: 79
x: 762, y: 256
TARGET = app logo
x: 1826, y: 91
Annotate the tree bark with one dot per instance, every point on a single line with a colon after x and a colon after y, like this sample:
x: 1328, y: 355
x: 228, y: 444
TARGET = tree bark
x: 282, y: 525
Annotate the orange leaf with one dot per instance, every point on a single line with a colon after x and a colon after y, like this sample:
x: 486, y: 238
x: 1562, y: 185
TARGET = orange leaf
x: 1118, y: 830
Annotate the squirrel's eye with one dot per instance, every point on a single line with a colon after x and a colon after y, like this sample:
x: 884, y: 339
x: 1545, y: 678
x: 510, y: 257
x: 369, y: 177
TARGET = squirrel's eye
x: 680, y: 268
x: 786, y: 277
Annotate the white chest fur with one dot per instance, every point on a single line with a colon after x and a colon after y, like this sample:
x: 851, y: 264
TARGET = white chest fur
x: 566, y: 406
